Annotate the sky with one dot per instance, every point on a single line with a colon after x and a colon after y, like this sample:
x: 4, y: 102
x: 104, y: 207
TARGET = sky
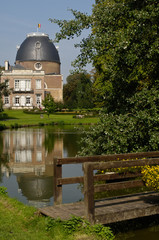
x: 20, y: 17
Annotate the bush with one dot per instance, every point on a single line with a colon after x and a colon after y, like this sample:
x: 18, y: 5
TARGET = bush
x: 135, y: 131
x: 151, y: 177
x: 76, y: 224
x: 3, y: 191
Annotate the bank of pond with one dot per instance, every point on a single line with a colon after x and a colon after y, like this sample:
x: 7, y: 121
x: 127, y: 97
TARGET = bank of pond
x: 26, y: 170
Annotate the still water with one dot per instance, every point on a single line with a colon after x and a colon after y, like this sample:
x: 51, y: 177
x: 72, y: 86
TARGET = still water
x: 29, y: 154
x: 26, y: 168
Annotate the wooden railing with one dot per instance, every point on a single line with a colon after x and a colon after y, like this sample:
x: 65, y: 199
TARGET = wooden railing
x: 100, y: 162
x: 123, y: 182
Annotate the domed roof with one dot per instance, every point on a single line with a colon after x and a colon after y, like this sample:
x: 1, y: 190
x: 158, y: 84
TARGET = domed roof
x: 37, y: 47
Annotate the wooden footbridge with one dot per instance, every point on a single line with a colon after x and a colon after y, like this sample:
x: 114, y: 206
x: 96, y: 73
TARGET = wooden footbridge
x: 109, y: 210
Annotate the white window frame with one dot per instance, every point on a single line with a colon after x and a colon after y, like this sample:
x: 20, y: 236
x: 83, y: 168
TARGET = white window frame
x: 6, y: 100
x: 28, y: 103
x: 38, y: 99
x: 26, y: 86
x: 17, y: 103
x: 38, y: 83
x: 16, y: 84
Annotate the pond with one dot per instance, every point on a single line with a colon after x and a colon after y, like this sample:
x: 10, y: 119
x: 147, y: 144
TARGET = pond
x: 26, y: 168
x: 29, y: 152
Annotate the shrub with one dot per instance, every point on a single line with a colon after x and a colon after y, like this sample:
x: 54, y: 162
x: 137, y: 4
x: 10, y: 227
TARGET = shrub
x: 151, y: 177
x: 3, y: 191
x: 134, y: 131
x: 76, y: 224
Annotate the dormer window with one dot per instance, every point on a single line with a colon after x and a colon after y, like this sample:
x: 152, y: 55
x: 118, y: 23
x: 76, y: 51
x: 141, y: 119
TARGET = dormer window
x: 38, y: 45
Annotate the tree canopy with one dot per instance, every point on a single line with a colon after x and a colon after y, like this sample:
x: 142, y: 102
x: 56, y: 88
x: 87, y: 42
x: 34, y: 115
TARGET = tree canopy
x: 49, y: 104
x: 123, y: 46
x: 78, y: 92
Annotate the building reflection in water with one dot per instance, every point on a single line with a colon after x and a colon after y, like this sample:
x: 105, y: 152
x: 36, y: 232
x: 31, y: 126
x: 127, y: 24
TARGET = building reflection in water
x: 31, y: 153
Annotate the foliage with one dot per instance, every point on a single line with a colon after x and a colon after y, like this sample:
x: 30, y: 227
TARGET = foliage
x: 2, y: 127
x: 151, y: 177
x: 3, y: 191
x: 49, y: 104
x: 78, y: 91
x: 134, y: 131
x: 123, y: 47
x: 75, y: 223
x: 4, y: 91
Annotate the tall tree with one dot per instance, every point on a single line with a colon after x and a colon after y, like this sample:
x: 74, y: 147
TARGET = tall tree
x: 78, y: 91
x: 123, y: 46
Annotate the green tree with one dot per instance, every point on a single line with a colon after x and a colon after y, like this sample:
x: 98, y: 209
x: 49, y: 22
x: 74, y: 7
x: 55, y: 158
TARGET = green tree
x: 136, y: 131
x: 4, y: 91
x: 49, y: 104
x: 123, y: 46
x: 78, y: 91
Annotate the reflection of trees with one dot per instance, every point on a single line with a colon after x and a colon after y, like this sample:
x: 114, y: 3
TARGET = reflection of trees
x: 70, y: 141
x: 49, y: 141
x: 4, y: 158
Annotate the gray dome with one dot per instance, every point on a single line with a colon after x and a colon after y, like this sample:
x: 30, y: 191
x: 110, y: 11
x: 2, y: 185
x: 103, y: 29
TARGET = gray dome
x: 37, y: 47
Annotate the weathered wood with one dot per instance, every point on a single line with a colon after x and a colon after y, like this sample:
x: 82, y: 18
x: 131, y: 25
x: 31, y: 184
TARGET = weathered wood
x: 109, y: 157
x: 62, y: 181
x: 100, y: 177
x: 57, y: 187
x: 117, y: 181
x: 88, y: 192
x: 110, y: 210
x: 118, y: 185
x: 123, y: 164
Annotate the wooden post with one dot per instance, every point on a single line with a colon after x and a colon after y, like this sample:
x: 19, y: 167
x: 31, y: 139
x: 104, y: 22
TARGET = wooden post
x: 89, y: 192
x: 57, y: 188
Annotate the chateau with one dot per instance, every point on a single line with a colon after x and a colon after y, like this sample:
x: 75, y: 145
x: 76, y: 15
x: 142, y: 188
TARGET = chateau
x: 36, y: 73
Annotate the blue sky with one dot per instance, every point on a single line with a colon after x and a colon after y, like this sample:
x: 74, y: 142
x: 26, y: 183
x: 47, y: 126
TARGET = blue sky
x: 18, y: 18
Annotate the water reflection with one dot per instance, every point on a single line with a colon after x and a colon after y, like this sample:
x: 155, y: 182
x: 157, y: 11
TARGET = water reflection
x: 27, y: 171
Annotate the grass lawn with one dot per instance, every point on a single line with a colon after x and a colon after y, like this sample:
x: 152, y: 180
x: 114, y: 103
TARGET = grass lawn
x: 18, y: 221
x: 21, y: 118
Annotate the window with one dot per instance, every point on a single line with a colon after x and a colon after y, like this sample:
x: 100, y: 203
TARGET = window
x: 38, y: 99
x: 6, y: 100
x: 38, y: 84
x: 38, y: 66
x: 37, y: 44
x: 28, y: 85
x: 22, y: 84
x: 7, y: 82
x: 28, y: 100
x: 38, y: 156
x: 17, y: 100
x: 16, y: 84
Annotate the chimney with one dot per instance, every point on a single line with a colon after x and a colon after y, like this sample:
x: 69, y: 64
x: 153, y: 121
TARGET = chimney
x: 6, y: 65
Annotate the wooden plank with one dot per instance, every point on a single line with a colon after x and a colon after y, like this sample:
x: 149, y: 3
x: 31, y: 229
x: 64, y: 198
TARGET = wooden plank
x: 126, y: 215
x: 111, y: 209
x: 73, y: 180
x: 109, y: 157
x: 88, y: 192
x: 123, y: 164
x: 118, y: 185
x: 98, y: 177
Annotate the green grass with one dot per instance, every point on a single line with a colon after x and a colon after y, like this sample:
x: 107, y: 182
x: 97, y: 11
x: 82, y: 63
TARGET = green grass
x: 18, y: 221
x: 18, y: 117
